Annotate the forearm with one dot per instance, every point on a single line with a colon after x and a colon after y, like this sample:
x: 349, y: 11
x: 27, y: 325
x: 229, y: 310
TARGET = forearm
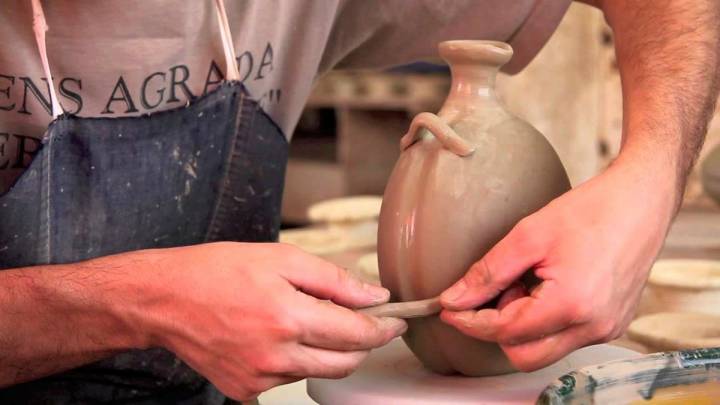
x: 668, y: 57
x: 54, y: 318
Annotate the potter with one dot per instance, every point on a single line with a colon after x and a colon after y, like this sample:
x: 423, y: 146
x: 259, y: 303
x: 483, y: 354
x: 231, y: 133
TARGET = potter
x: 464, y: 178
x: 127, y: 278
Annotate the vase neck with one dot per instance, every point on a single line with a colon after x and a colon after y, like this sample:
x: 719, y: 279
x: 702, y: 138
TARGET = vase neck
x: 472, y: 85
x: 474, y: 66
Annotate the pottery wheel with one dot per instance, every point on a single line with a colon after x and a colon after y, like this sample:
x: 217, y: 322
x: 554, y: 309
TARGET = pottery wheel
x: 392, y: 375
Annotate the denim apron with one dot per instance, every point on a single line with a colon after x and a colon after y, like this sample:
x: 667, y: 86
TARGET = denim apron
x: 209, y: 171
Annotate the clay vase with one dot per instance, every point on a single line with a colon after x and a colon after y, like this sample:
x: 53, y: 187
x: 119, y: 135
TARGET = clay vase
x: 464, y: 178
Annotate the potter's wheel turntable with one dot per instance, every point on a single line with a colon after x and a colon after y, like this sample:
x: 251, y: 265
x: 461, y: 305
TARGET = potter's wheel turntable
x: 392, y: 375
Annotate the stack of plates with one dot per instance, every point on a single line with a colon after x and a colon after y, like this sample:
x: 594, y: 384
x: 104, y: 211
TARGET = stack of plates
x: 338, y: 225
x: 681, y: 306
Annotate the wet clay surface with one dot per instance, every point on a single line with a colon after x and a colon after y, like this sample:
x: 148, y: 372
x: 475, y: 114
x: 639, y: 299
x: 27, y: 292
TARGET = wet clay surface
x: 444, y: 208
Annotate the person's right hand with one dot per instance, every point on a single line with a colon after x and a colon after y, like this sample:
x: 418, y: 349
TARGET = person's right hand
x: 250, y: 316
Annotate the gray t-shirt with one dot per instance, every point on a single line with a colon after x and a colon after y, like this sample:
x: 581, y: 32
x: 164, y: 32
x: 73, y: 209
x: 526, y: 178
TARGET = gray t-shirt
x: 129, y: 57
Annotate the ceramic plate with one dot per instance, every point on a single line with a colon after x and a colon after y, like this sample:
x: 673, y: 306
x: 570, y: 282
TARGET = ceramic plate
x: 685, y: 377
x: 695, y: 230
x: 321, y: 240
x: 368, y: 266
x: 665, y: 331
x: 346, y: 209
x: 686, y: 273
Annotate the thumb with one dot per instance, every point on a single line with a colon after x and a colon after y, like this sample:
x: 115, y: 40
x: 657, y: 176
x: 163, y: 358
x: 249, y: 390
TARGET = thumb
x: 324, y: 280
x: 497, y: 270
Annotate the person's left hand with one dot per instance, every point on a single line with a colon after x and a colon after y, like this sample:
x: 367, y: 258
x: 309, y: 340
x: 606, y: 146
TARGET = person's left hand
x: 592, y: 248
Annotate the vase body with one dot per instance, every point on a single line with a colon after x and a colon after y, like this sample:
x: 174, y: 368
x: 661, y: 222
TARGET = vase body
x: 446, y: 205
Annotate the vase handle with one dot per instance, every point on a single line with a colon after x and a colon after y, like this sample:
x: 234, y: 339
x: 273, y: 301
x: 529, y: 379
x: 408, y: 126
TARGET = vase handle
x: 441, y: 130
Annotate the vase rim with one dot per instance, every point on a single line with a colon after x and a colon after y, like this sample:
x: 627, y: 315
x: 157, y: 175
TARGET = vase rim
x: 488, y: 52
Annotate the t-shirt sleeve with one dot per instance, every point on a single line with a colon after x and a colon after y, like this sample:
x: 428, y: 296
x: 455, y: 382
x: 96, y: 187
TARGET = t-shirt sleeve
x: 384, y: 33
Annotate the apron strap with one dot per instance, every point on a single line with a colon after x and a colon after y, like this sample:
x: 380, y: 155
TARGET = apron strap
x: 232, y: 71
x: 40, y: 26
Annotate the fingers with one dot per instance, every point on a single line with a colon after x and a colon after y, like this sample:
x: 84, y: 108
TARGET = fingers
x: 329, y: 326
x: 519, y: 251
x: 525, y: 319
x: 244, y: 380
x: 537, y: 330
x: 514, y: 293
x: 249, y: 389
x: 322, y: 363
x: 325, y: 280
x: 306, y: 362
x: 543, y: 352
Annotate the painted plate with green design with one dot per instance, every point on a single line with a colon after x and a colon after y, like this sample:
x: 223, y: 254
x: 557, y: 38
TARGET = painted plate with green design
x: 682, y: 377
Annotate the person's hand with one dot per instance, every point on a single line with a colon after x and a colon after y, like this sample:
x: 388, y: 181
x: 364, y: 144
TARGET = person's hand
x: 252, y: 316
x: 592, y: 248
